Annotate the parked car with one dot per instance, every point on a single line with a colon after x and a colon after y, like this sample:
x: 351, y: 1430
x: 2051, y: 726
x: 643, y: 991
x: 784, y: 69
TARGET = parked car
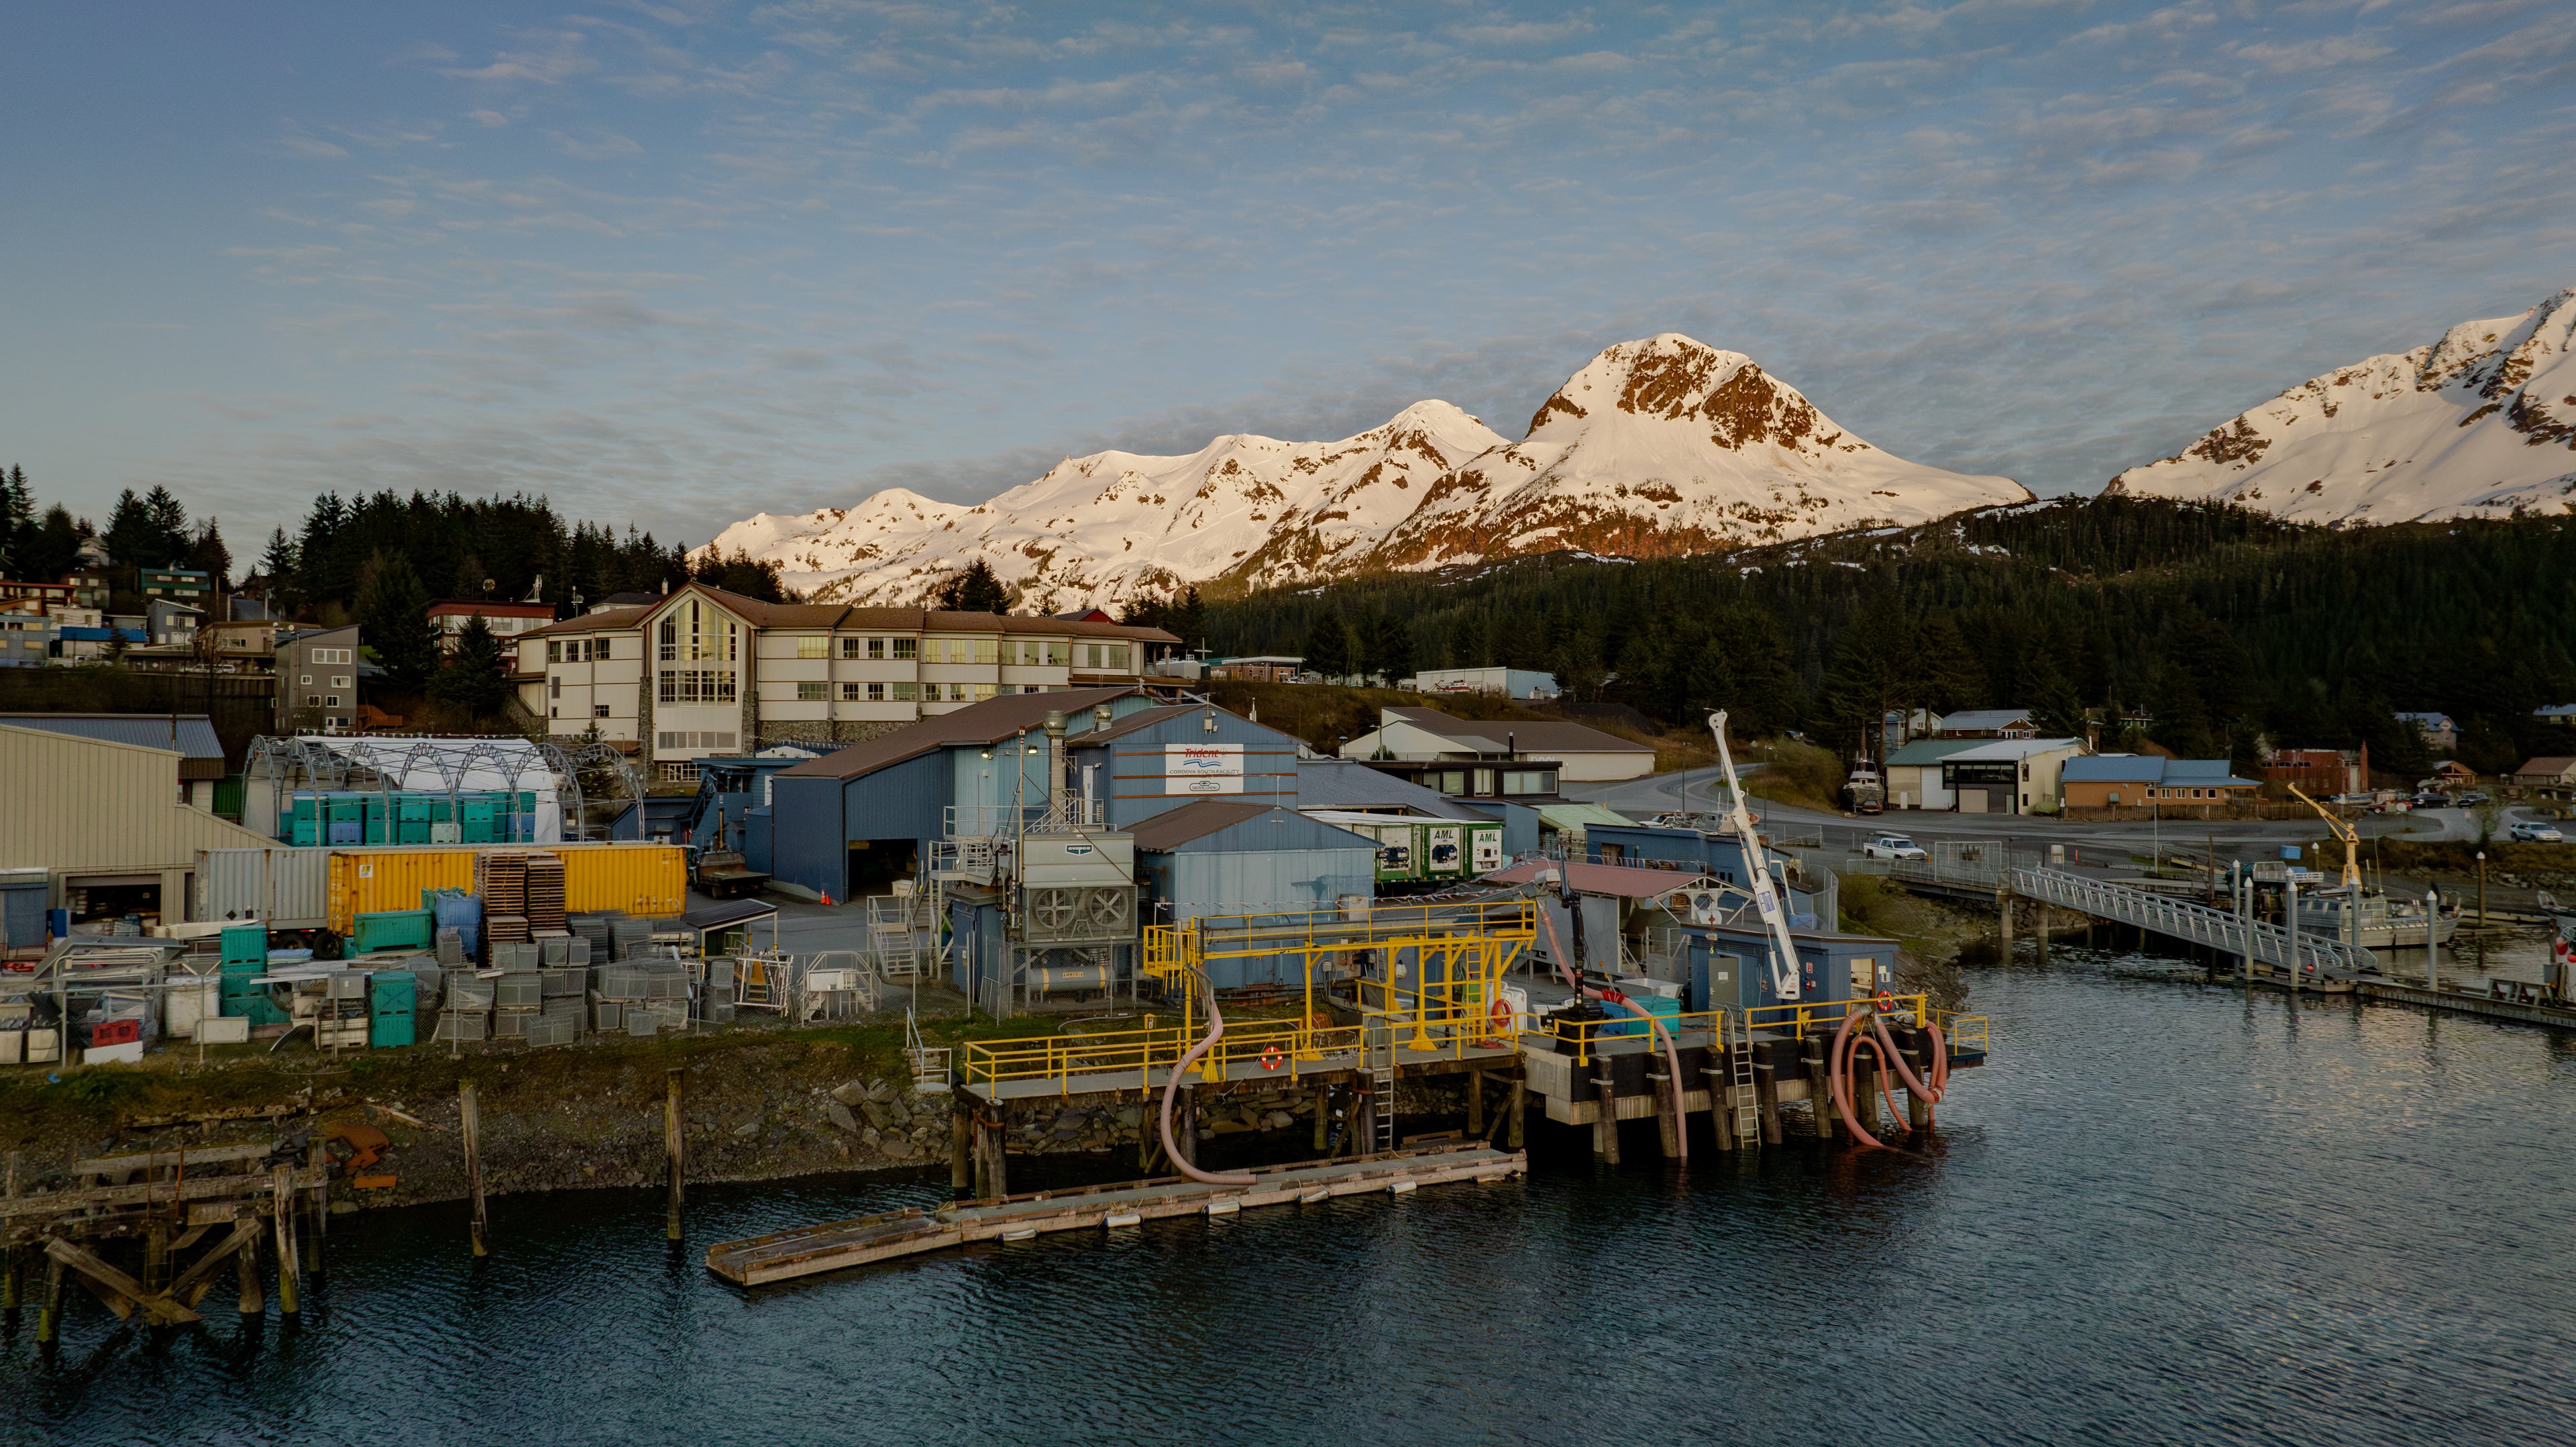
x: 1892, y: 846
x: 2535, y: 834
x: 2469, y: 799
x: 2429, y: 800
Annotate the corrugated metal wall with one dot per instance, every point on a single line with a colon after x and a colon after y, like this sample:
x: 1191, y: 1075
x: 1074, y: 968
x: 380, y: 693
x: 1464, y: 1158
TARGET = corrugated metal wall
x: 640, y: 879
x: 287, y: 887
x: 82, y: 804
x: 1134, y: 780
x: 1262, y: 882
x: 806, y: 846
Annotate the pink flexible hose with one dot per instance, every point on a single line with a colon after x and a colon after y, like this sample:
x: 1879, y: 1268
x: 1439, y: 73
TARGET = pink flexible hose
x: 1654, y: 1026
x: 1882, y: 1047
x: 1171, y: 1088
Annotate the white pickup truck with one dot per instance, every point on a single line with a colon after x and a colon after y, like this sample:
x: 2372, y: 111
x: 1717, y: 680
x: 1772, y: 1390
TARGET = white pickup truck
x: 1892, y: 846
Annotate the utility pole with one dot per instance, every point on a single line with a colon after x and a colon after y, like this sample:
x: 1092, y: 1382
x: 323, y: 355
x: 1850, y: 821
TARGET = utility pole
x: 2482, y: 891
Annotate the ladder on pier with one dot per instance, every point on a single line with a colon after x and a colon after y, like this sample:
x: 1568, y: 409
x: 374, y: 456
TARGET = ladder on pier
x: 1380, y: 1063
x: 1735, y: 1040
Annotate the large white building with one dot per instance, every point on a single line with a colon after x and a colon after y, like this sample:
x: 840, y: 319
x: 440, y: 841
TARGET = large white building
x: 700, y: 671
x: 1582, y: 754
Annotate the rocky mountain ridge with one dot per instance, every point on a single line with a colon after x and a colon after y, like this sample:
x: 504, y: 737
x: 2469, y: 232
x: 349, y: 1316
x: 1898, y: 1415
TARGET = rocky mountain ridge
x: 1655, y: 447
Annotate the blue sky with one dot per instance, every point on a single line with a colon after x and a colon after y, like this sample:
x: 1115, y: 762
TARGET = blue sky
x: 677, y: 263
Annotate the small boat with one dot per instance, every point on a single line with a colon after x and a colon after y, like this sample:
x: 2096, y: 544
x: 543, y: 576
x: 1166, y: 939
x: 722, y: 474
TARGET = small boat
x: 2381, y: 921
x: 1864, y: 792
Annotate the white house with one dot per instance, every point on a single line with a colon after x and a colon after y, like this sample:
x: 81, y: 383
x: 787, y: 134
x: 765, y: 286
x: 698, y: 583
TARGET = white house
x: 1509, y: 682
x: 1581, y: 754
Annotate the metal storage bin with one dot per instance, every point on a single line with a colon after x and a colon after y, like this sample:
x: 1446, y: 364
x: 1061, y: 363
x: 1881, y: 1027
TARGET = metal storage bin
x: 607, y: 1015
x: 511, y: 1024
x: 565, y: 981
x: 464, y: 1025
x: 522, y: 991
x: 469, y: 992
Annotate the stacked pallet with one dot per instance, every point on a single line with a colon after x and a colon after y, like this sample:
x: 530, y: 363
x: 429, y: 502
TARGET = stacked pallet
x: 544, y: 876
x: 501, y: 881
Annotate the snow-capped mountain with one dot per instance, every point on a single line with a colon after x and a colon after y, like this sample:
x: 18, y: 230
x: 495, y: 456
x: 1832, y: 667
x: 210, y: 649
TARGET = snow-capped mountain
x: 1656, y: 447
x: 2478, y: 424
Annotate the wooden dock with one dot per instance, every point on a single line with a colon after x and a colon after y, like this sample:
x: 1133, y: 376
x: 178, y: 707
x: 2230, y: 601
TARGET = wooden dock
x: 2464, y: 1002
x: 837, y: 1245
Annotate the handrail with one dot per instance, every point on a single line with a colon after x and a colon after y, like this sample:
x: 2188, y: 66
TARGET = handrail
x: 1821, y: 1016
x: 2219, y: 929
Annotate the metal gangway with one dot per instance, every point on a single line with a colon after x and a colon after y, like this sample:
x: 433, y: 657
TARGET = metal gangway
x: 2226, y: 932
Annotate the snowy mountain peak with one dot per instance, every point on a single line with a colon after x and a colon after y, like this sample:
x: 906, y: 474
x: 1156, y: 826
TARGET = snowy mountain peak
x: 2479, y: 423
x: 1659, y: 446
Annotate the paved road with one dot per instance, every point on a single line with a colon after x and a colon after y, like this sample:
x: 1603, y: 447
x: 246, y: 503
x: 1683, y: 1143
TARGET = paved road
x: 1704, y: 790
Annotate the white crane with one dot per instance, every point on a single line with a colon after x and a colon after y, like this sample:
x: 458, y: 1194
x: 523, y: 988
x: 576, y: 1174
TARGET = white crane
x: 1784, y: 962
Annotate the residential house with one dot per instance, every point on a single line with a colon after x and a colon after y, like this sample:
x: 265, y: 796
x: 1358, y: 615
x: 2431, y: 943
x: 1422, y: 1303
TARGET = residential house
x: 317, y: 679
x: 192, y: 586
x: 2450, y: 774
x: 2320, y: 773
x: 700, y: 672
x: 2008, y: 776
x: 2193, y: 787
x: 1502, y: 750
x: 45, y: 595
x: 2562, y: 714
x: 2550, y: 776
x: 28, y: 637
x: 170, y: 624
x: 1509, y: 682
x: 2436, y: 728
x: 77, y: 644
x: 506, y: 620
x: 1259, y: 668
x: 1913, y: 773
x: 1987, y: 723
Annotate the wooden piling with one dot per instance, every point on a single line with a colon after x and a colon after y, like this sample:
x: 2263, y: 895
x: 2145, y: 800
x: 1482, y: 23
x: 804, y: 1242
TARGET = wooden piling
x: 290, y: 1269
x: 469, y: 1122
x: 246, y: 1276
x: 2004, y: 911
x: 1363, y: 1132
x: 13, y: 1270
x: 961, y: 1164
x: 1476, y: 1104
x: 674, y: 1142
x: 320, y: 1205
x: 1667, y: 1133
x: 1811, y: 1054
x: 1323, y: 1117
x: 1766, y: 1099
x: 1605, y: 1118
x: 156, y: 1252
x: 1918, y: 1111
x: 2040, y: 921
x: 49, y: 1310
x: 1721, y: 1107
x: 991, y: 1171
x: 1520, y: 1107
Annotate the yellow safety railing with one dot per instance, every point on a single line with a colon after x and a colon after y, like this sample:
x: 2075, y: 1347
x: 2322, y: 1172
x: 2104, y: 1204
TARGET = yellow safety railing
x: 1963, y: 1032
x: 1581, y: 1038
x: 1272, y: 1044
x: 1800, y: 1017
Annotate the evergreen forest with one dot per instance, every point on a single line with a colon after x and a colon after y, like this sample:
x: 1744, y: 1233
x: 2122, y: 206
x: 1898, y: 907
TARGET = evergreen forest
x: 2205, y: 629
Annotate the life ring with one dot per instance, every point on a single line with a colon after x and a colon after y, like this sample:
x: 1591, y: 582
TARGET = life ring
x: 1271, y: 1059
x: 1500, y: 1014
x: 1886, y: 1001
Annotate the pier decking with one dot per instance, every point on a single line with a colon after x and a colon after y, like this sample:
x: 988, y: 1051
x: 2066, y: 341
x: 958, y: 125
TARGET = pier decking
x: 836, y: 1245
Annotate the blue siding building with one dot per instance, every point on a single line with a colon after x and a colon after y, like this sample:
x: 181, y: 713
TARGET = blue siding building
x: 1224, y: 857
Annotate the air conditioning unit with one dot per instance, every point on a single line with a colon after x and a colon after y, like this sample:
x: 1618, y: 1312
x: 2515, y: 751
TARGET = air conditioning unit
x: 1077, y: 914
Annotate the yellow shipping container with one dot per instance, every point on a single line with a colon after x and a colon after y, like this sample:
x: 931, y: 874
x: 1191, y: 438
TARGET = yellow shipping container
x: 641, y: 879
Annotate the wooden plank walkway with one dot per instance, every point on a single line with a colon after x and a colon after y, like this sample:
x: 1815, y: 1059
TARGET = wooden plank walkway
x: 2465, y: 1003
x: 837, y: 1245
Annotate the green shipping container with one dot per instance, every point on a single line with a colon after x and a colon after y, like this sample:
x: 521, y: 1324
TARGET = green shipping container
x: 387, y: 1031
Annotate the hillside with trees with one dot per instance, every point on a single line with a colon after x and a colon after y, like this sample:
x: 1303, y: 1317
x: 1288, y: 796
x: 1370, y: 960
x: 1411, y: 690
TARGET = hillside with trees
x: 2211, y: 626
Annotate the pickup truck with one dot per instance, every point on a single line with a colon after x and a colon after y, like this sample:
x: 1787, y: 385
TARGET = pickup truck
x: 1892, y: 846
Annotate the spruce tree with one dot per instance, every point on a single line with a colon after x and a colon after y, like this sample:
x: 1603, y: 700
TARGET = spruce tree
x: 1328, y: 646
x: 393, y: 618
x: 472, y: 682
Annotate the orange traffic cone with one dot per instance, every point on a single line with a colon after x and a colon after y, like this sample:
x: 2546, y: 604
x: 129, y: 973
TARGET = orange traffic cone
x: 827, y: 896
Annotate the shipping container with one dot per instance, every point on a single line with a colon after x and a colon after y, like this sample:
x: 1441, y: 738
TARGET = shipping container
x: 282, y: 887
x: 640, y: 879
x: 1415, y: 847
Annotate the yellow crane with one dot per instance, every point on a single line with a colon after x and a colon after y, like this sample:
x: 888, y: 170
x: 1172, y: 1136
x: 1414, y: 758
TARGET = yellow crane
x: 2351, y: 843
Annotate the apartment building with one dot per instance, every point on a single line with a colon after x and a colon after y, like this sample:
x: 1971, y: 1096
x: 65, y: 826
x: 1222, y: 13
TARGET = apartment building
x: 700, y: 671
x: 317, y: 679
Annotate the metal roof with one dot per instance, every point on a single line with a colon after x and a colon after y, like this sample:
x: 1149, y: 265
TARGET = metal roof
x: 1246, y: 827
x: 843, y: 616
x: 1611, y: 879
x: 191, y: 736
x: 2153, y: 769
x: 1350, y: 784
x: 1525, y: 734
x: 1194, y: 820
x: 1572, y: 816
x: 995, y: 719
x: 1931, y: 751
x: 1985, y: 718
x: 1989, y: 750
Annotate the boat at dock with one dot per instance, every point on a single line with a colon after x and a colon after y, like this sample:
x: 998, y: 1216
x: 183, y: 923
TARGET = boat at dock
x: 2376, y: 920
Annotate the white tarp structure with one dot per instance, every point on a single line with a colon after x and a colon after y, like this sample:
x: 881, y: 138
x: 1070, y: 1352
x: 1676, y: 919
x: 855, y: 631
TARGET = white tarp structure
x: 429, y: 765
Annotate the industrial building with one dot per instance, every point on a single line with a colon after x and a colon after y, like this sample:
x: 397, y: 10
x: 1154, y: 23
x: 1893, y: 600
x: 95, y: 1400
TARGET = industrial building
x: 109, y: 823
x: 1500, y: 758
x: 190, y: 735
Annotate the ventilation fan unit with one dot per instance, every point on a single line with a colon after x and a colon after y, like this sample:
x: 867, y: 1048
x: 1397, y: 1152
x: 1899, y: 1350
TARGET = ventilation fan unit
x: 1069, y: 914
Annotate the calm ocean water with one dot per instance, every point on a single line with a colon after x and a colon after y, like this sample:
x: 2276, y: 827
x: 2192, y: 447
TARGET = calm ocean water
x: 2165, y: 1213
